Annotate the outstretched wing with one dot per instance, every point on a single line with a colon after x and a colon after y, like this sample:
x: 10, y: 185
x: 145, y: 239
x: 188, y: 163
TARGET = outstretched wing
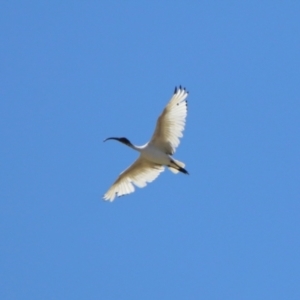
x: 139, y: 173
x: 171, y: 123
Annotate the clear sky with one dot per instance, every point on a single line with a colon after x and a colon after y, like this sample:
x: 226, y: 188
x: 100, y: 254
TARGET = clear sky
x: 76, y: 72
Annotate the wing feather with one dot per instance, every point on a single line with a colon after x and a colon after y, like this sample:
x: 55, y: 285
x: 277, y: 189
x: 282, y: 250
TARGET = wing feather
x: 139, y: 173
x: 171, y: 123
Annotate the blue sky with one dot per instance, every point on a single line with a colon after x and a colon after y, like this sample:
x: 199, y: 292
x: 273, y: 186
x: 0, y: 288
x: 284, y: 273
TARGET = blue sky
x: 76, y: 72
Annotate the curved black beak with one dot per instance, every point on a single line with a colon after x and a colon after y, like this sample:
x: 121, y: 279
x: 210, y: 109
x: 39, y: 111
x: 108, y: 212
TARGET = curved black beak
x: 122, y: 140
x: 112, y: 138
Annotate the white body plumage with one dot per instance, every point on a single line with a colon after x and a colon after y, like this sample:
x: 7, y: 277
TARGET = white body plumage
x: 154, y: 154
x: 157, y: 153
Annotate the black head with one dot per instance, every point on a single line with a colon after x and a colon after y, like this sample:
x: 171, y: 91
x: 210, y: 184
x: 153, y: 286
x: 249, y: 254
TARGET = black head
x: 123, y: 140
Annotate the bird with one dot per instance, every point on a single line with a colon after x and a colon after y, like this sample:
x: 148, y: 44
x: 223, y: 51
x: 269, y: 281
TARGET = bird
x: 157, y: 153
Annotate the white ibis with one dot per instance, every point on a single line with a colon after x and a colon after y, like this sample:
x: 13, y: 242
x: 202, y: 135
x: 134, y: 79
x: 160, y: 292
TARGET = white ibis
x: 157, y: 153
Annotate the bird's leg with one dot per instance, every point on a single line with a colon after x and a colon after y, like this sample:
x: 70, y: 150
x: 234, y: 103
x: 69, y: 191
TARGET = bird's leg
x: 180, y: 169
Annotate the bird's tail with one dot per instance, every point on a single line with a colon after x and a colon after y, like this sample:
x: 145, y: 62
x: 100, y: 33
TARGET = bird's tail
x: 177, y: 166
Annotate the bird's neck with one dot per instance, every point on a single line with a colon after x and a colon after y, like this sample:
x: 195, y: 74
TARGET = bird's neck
x: 136, y: 148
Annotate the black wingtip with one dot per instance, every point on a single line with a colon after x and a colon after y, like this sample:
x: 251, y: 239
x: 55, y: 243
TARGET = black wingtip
x: 180, y: 88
